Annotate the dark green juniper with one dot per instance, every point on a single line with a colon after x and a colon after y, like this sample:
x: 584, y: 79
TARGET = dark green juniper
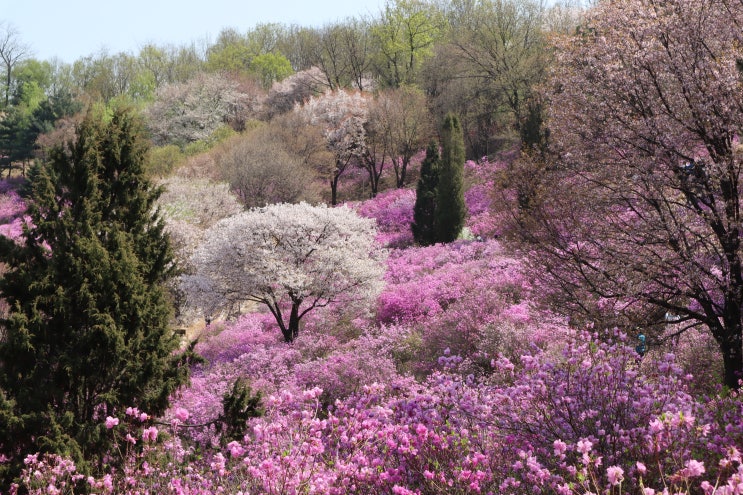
x: 450, y: 207
x: 425, y: 197
x: 87, y: 330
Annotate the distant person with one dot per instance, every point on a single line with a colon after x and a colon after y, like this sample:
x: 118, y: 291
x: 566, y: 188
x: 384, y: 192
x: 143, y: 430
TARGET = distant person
x: 642, y: 347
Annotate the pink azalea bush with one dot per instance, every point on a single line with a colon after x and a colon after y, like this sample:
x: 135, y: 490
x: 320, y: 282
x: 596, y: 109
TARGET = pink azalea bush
x: 344, y: 373
x: 12, y: 209
x: 483, y: 220
x: 593, y: 419
x: 393, y: 210
x: 469, y: 297
x: 251, y: 348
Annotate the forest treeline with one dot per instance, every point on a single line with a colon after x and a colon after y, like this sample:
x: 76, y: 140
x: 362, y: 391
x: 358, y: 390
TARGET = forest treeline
x: 480, y: 60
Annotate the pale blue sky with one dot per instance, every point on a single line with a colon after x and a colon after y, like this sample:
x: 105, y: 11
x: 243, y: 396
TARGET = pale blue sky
x: 70, y: 29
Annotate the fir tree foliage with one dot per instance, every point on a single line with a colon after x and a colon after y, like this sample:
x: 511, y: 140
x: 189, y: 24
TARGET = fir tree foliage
x: 425, y: 198
x: 87, y: 333
x: 239, y: 405
x: 450, y: 207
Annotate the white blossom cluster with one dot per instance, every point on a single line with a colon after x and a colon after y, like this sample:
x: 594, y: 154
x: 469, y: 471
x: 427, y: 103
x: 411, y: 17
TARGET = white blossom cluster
x: 190, y: 207
x: 287, y: 254
x: 342, y: 115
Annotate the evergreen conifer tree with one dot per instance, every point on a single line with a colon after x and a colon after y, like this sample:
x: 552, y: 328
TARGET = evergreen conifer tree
x: 425, y: 197
x: 87, y: 332
x: 450, y: 207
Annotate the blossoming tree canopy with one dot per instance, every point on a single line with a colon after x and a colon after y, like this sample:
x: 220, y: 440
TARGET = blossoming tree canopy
x: 290, y: 257
x: 646, y: 114
x: 341, y: 115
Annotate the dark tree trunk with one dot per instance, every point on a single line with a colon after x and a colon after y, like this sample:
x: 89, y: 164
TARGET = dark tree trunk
x: 402, y: 174
x: 399, y: 173
x: 373, y: 181
x: 286, y: 333
x: 334, y: 190
x: 733, y: 361
x: 731, y: 346
x: 294, y: 321
x: 290, y: 331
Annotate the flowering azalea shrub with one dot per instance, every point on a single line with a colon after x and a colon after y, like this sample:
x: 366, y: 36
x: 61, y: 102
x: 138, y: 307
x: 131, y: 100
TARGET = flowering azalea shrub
x: 223, y: 342
x: 393, y: 211
x: 595, y: 390
x: 344, y: 373
x: 469, y: 297
x: 484, y: 220
x: 422, y: 282
x: 12, y: 209
x: 593, y: 419
x: 250, y: 349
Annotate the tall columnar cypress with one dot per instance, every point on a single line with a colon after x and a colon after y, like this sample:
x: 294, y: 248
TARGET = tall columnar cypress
x: 425, y: 197
x: 450, y: 207
x: 87, y: 332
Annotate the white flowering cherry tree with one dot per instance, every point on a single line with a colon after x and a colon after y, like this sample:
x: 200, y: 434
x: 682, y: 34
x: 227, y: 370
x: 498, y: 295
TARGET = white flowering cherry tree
x: 292, y: 258
x: 341, y: 115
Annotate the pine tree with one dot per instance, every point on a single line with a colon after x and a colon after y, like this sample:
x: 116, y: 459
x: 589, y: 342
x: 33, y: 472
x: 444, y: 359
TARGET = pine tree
x: 425, y: 197
x: 87, y: 333
x: 450, y: 207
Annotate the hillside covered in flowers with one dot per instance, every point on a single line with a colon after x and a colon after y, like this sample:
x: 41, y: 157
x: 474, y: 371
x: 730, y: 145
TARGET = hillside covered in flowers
x: 457, y: 381
x: 486, y: 247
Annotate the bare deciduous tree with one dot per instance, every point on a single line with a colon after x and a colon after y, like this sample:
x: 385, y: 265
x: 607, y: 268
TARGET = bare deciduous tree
x: 12, y: 51
x: 408, y: 125
x: 262, y: 171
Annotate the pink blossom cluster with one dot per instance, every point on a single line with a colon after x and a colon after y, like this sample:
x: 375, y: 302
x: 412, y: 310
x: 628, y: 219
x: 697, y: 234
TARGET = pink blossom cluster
x: 591, y: 418
x: 12, y: 210
x: 425, y: 281
x: 470, y: 297
x: 483, y: 218
x: 393, y: 211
